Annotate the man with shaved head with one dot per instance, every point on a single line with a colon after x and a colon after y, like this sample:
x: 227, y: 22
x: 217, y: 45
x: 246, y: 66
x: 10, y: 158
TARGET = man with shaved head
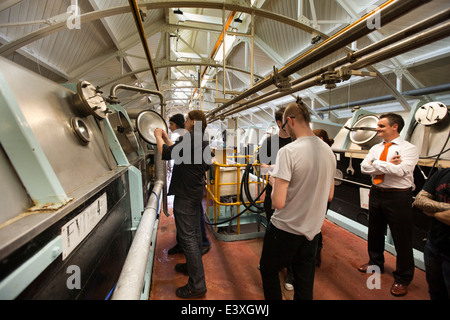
x: 303, y: 183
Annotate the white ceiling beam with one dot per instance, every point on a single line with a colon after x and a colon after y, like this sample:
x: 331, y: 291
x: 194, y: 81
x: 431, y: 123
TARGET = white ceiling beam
x: 198, y: 18
x: 110, y: 32
x: 39, y: 60
x: 169, y: 64
x: 129, y: 43
x: 271, y: 53
x: 230, y: 5
x: 198, y: 54
x: 8, y: 3
x: 313, y: 12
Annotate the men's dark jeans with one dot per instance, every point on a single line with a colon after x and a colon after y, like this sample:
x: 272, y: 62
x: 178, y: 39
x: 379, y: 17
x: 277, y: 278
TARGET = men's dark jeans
x: 187, y: 221
x: 280, y: 249
x: 437, y: 268
x: 205, y: 240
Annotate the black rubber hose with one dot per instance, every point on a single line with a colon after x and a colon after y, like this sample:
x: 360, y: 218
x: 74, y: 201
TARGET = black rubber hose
x: 247, y: 208
x: 245, y: 184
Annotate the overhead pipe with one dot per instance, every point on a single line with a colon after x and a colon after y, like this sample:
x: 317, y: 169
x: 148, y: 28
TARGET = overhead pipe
x: 140, y: 27
x: 298, y: 87
x: 115, y: 88
x: 415, y: 92
x: 421, y: 39
x: 387, y: 13
x: 352, y: 56
x: 424, y: 38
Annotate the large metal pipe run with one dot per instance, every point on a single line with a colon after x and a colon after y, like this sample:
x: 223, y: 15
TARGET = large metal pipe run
x: 352, y: 56
x: 131, y: 280
x: 298, y: 87
x: 387, y: 13
x: 415, y: 92
x: 424, y: 38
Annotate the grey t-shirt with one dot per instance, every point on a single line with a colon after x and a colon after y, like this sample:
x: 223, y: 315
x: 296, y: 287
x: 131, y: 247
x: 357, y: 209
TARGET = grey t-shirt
x: 309, y: 165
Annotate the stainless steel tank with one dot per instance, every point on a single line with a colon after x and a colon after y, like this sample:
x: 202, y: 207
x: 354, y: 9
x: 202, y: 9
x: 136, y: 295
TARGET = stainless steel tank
x: 89, y: 228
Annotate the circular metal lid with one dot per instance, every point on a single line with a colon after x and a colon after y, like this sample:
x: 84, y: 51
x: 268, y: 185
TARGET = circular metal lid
x: 362, y: 136
x: 127, y: 130
x: 431, y: 113
x: 91, y: 101
x: 146, y: 123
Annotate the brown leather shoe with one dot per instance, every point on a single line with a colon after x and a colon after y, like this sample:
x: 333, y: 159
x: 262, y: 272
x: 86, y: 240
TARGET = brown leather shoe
x: 398, y: 289
x: 366, y: 266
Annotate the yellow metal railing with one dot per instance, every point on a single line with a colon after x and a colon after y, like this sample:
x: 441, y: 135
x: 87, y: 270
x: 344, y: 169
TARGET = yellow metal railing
x: 215, y: 185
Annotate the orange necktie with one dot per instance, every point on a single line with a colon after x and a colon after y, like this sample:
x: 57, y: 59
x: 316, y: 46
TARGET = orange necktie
x: 379, y: 178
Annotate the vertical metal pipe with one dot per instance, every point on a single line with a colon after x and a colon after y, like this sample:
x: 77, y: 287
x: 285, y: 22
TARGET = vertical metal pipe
x: 224, y: 32
x: 252, y: 57
x: 131, y: 280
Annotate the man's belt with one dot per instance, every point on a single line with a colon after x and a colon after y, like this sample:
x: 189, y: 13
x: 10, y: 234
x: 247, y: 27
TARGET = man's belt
x: 390, y: 189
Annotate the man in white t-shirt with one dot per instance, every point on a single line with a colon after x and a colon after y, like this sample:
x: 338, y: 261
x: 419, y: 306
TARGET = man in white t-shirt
x: 303, y: 183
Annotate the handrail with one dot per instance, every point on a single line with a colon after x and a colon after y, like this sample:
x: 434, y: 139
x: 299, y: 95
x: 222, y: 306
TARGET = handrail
x: 213, y: 190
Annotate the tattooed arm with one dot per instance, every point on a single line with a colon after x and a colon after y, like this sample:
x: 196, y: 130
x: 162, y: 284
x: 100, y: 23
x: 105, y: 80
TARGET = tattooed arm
x: 432, y: 208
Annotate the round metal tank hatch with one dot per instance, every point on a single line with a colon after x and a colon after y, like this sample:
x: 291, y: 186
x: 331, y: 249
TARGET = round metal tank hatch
x: 364, y: 134
x: 431, y: 113
x: 146, y: 123
x: 89, y: 101
x: 125, y: 134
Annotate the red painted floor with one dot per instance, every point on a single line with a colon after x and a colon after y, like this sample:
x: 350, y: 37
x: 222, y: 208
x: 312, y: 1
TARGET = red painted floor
x: 232, y: 273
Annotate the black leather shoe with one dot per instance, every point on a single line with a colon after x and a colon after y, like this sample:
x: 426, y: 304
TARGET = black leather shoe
x: 186, y: 293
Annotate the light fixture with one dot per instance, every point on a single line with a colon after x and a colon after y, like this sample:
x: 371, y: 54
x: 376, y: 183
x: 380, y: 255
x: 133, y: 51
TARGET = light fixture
x: 316, y: 39
x: 238, y: 18
x: 177, y: 11
x: 143, y: 15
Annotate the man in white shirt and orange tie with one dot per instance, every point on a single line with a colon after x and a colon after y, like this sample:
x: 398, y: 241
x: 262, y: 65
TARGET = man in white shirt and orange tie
x: 391, y: 164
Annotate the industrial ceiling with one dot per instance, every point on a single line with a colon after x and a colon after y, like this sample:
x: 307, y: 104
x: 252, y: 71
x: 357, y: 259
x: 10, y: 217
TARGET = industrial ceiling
x: 176, y: 47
